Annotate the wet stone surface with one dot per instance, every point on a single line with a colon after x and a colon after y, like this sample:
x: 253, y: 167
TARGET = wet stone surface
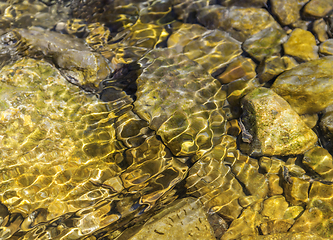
x: 166, y: 119
x: 313, y: 94
x: 275, y: 127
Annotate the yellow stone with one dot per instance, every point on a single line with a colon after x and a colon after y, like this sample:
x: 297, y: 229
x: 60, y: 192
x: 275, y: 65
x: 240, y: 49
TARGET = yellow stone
x: 293, y: 212
x: 318, y: 8
x: 275, y: 207
x: 277, y: 128
x: 286, y: 236
x: 320, y: 161
x: 297, y: 192
x: 276, y: 226
x: 302, y: 45
x: 274, y: 187
x: 309, y: 221
x: 246, y: 224
x: 271, y: 165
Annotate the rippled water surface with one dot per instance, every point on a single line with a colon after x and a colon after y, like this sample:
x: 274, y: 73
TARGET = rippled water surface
x: 166, y: 119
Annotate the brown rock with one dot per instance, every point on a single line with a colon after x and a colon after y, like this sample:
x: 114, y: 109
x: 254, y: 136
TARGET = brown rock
x: 240, y: 68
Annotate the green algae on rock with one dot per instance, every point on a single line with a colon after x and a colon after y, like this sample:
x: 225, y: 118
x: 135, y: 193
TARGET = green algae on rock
x: 276, y: 128
x: 307, y: 87
x: 265, y: 43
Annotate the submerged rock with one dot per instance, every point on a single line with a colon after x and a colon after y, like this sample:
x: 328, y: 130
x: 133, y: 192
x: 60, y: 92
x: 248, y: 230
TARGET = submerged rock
x: 212, y: 49
x: 240, y: 68
x: 116, y: 14
x: 244, y: 22
x: 318, y: 8
x: 265, y: 43
x: 60, y: 152
x: 79, y: 65
x: 54, y: 141
x: 249, y: 3
x: 308, y: 87
x: 320, y: 29
x: 326, y: 47
x: 270, y: 68
x: 275, y: 207
x: 276, y: 128
x: 183, y: 219
x: 326, y: 126
x: 180, y: 101
x: 287, y: 11
x: 286, y: 236
x: 301, y: 45
x: 317, y: 218
x: 133, y: 43
x: 240, y: 23
x: 217, y: 188
x: 320, y: 161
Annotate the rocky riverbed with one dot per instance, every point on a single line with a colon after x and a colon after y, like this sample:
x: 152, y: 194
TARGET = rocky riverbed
x: 166, y: 119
